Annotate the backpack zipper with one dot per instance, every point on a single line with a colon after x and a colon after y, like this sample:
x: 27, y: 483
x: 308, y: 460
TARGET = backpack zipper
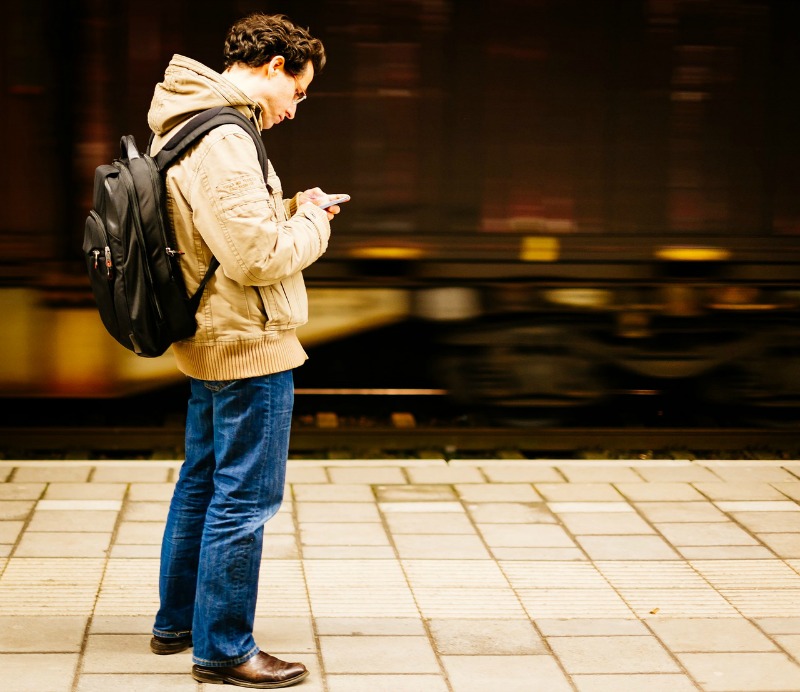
x: 106, y: 250
x: 156, y: 177
x: 127, y: 180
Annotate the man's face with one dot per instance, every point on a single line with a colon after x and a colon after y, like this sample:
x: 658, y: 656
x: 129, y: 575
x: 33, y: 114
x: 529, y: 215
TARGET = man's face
x: 281, y: 92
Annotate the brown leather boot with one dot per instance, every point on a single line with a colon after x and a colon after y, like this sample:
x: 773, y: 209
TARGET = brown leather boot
x: 262, y: 672
x: 170, y: 645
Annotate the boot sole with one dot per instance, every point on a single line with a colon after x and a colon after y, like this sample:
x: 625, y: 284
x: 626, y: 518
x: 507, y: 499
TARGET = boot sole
x: 209, y: 676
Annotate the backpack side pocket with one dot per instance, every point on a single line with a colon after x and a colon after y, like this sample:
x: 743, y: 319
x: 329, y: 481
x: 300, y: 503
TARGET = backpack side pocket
x: 101, y: 270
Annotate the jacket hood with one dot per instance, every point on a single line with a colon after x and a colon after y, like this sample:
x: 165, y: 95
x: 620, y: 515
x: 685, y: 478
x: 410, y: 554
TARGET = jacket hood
x: 189, y: 87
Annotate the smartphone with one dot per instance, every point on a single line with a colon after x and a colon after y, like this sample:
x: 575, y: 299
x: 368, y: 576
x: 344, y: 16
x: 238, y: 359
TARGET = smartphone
x: 338, y: 199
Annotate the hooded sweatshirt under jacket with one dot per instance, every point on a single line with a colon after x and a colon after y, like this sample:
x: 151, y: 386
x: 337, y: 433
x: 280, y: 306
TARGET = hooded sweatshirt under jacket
x: 219, y: 205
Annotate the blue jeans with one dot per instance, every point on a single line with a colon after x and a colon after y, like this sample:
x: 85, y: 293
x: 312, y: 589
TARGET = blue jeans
x: 230, y: 484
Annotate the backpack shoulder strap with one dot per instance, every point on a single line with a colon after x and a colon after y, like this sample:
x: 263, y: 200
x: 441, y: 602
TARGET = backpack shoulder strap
x: 191, y: 132
x: 201, y: 124
x: 194, y: 301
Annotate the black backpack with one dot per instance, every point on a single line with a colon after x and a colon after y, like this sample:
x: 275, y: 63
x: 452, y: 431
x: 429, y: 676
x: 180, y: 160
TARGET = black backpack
x: 129, y: 243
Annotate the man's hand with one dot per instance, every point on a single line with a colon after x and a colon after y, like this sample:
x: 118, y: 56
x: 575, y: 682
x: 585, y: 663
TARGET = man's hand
x: 316, y: 196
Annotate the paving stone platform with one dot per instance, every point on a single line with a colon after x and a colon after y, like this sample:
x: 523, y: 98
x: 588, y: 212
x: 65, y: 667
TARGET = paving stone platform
x: 428, y: 576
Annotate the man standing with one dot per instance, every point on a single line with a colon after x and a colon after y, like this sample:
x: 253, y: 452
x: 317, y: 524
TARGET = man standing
x: 239, y: 362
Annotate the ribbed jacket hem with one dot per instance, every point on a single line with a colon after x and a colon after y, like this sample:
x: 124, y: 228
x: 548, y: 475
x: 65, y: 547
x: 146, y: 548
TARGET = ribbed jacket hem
x: 233, y: 360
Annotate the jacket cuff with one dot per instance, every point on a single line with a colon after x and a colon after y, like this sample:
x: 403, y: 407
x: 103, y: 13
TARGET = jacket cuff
x: 291, y: 205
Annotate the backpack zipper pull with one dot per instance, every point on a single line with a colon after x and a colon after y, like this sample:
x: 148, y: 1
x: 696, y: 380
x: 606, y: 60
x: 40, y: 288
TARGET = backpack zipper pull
x: 96, y: 254
x: 108, y: 262
x: 172, y: 252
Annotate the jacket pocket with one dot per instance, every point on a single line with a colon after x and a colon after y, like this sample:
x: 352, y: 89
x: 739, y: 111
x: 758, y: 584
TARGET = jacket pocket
x: 276, y: 302
x: 286, y: 303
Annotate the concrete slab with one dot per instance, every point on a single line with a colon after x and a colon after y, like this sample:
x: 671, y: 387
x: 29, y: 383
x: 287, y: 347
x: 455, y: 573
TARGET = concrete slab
x: 428, y: 576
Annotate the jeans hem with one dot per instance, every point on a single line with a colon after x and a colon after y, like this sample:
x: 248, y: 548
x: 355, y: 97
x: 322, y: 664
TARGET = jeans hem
x: 164, y: 634
x: 226, y: 664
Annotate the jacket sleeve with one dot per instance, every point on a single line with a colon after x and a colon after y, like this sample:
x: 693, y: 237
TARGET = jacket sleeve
x: 244, y: 225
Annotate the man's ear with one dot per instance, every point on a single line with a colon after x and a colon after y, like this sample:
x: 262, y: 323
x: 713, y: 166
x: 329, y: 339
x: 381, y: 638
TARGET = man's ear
x: 278, y: 61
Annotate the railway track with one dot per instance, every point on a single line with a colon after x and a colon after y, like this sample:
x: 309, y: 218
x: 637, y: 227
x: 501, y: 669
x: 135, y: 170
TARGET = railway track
x: 370, y: 441
x: 387, y: 423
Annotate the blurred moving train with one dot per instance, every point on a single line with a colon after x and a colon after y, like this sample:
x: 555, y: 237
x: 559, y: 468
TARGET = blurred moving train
x: 554, y: 202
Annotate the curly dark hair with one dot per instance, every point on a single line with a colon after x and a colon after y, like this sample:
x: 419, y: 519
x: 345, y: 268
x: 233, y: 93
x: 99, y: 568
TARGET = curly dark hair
x: 255, y: 39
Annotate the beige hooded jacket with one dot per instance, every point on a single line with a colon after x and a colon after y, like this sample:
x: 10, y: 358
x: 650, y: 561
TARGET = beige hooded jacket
x: 219, y: 204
